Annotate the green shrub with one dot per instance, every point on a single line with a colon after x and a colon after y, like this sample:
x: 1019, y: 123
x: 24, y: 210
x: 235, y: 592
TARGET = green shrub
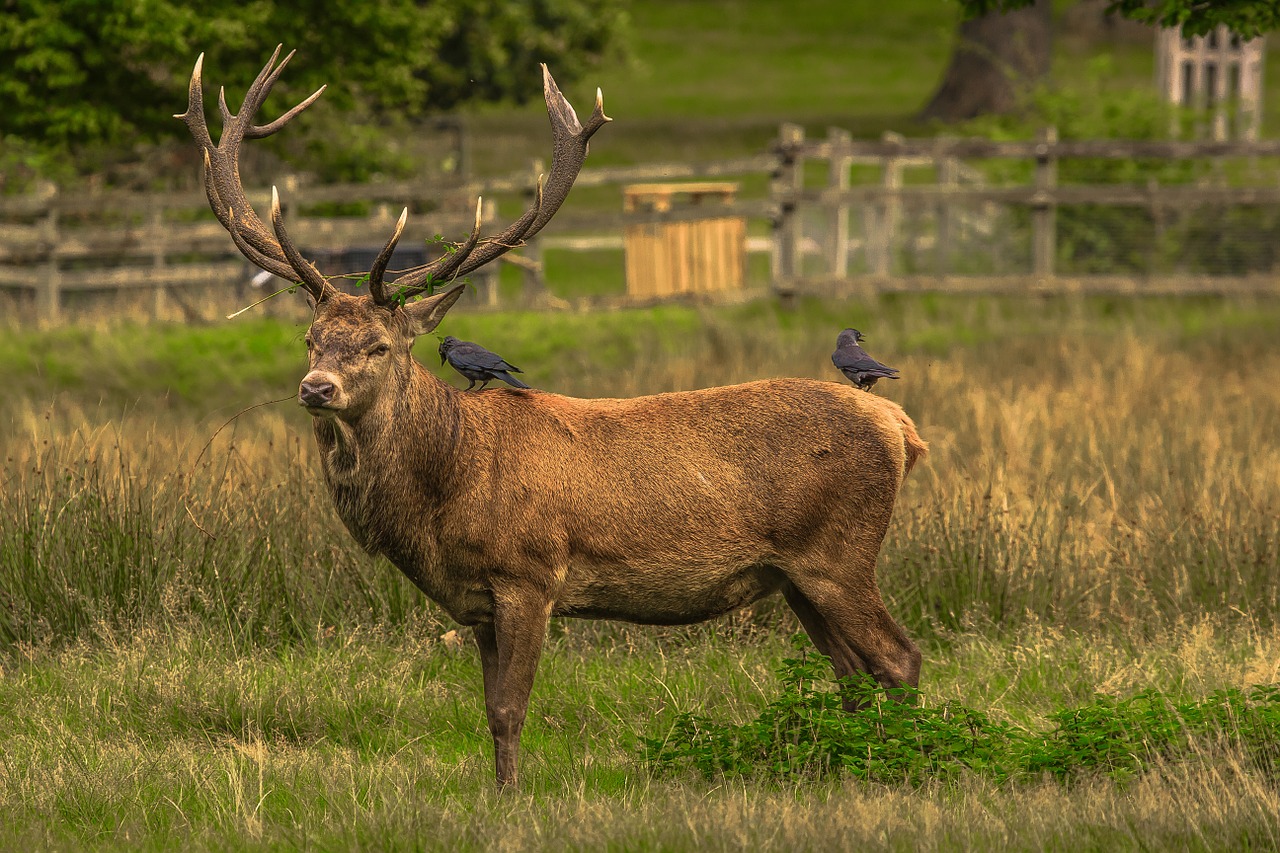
x: 805, y: 733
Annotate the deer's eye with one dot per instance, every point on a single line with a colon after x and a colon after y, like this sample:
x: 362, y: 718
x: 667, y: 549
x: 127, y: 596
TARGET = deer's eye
x: 309, y: 343
x: 379, y: 349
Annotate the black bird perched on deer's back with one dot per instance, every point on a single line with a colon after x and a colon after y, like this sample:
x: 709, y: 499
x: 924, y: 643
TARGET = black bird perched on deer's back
x: 852, y: 360
x: 477, y: 363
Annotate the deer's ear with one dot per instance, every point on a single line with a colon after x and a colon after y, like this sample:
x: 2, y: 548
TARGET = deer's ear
x: 426, y: 314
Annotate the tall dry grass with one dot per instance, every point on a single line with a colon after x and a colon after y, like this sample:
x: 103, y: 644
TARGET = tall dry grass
x: 193, y: 651
x: 1076, y: 479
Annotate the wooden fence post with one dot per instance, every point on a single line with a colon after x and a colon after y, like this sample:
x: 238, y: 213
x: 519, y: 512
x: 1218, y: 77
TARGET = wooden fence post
x: 1044, y: 211
x: 49, y: 286
x: 880, y: 238
x: 788, y: 229
x: 1156, y: 250
x: 838, y: 181
x: 160, y: 301
x: 948, y: 178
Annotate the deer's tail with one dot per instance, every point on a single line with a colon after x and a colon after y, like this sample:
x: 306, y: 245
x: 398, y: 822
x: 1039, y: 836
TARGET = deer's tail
x: 916, y: 447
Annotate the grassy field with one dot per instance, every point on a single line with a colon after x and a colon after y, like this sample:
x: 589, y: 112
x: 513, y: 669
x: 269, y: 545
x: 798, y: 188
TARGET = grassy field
x: 711, y: 79
x: 193, y: 653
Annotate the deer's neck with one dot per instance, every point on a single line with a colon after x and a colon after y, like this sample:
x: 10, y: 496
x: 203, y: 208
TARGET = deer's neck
x: 397, y: 463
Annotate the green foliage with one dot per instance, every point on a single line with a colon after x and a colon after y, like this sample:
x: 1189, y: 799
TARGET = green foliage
x: 805, y: 733
x: 81, y: 73
x: 1134, y: 240
x: 1122, y: 737
x: 1092, y: 105
x: 1247, y: 18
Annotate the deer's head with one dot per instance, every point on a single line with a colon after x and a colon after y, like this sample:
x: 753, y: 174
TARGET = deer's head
x: 356, y: 342
x: 358, y: 350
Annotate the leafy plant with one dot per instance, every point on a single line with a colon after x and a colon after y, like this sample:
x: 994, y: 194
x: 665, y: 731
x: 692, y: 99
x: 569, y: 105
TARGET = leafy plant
x: 1123, y: 737
x: 806, y: 733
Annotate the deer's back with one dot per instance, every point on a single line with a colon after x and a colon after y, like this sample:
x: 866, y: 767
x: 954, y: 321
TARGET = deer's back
x: 746, y: 465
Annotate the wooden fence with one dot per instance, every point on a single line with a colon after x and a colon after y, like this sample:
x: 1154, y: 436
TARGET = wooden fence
x: 834, y: 214
x: 1220, y: 178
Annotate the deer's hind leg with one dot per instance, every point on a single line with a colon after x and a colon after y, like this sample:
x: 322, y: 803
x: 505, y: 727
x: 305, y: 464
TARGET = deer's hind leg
x: 843, y: 659
x: 861, y: 635
x: 836, y: 598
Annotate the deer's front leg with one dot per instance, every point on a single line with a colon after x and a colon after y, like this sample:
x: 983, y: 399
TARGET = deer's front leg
x: 510, y: 648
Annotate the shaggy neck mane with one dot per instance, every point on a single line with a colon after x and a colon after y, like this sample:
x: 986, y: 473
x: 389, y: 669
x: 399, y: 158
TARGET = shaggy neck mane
x: 405, y: 447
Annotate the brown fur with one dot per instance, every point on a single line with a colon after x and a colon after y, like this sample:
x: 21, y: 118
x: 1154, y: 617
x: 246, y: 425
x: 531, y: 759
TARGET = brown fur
x: 507, y: 506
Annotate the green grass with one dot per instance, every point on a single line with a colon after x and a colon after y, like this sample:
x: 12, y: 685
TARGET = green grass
x: 369, y: 740
x: 812, y: 58
x: 193, y: 652
x: 714, y: 78
x: 204, y: 369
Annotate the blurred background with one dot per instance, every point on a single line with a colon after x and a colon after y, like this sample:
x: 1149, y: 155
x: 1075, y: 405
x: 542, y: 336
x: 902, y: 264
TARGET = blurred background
x: 1073, y: 271
x: 1060, y: 226
x: 758, y: 150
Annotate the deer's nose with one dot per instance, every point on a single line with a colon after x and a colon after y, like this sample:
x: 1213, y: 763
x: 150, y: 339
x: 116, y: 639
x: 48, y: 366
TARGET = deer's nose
x: 315, y: 393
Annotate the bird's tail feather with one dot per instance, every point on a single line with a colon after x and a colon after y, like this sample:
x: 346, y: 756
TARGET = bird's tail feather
x: 509, y: 379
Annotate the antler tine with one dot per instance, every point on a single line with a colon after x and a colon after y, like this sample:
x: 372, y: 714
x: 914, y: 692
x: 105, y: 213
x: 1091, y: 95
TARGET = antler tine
x: 569, y: 151
x: 258, y: 93
x: 234, y: 127
x: 227, y: 216
x: 315, y: 283
x: 455, y: 259
x: 222, y: 174
x: 414, y: 281
x: 274, y: 267
x: 376, y: 290
x: 258, y: 131
x: 499, y: 244
x: 194, y: 116
x: 571, y: 144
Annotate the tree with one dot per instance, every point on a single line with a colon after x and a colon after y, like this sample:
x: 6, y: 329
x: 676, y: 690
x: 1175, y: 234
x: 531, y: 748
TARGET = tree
x: 1245, y: 18
x: 1002, y: 45
x: 995, y: 55
x: 86, y: 74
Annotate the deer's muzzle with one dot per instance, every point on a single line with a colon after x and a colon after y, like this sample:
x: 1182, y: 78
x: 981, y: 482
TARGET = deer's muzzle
x: 318, y: 393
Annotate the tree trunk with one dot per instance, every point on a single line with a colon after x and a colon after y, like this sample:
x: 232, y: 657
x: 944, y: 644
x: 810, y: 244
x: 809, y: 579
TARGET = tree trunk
x: 996, y: 58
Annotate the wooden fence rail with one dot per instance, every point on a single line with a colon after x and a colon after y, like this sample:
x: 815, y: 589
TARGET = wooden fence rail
x: 822, y: 227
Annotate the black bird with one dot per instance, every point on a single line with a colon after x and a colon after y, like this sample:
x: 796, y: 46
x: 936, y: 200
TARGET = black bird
x: 477, y: 363
x: 853, y: 361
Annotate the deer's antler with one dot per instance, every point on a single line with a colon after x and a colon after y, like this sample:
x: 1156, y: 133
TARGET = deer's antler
x: 271, y: 249
x: 569, y: 151
x: 268, y: 249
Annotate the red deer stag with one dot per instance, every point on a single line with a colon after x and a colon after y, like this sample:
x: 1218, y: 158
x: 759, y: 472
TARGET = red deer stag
x: 508, y: 507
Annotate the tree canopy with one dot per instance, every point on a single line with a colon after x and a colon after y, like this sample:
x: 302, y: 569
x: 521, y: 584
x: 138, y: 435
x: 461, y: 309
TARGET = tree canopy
x: 112, y: 72
x: 1245, y: 18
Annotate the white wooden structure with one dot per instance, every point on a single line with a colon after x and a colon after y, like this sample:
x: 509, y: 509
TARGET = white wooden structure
x: 1217, y: 72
